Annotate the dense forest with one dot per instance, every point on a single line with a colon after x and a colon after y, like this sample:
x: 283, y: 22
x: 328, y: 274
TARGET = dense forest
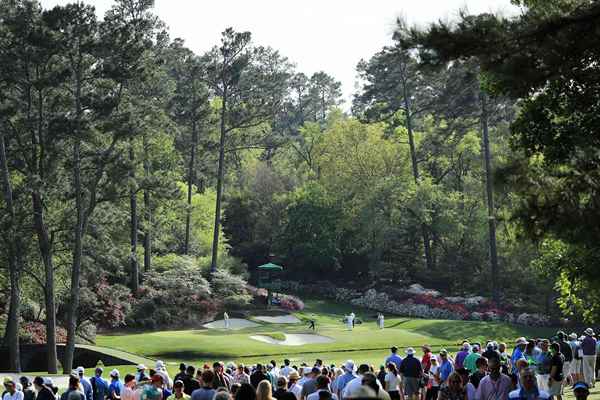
x: 142, y: 184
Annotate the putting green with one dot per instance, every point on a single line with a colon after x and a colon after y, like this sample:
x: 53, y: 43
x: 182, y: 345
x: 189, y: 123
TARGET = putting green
x: 365, y: 343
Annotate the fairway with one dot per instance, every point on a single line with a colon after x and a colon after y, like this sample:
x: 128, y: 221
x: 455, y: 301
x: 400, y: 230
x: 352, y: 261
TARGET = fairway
x: 365, y: 343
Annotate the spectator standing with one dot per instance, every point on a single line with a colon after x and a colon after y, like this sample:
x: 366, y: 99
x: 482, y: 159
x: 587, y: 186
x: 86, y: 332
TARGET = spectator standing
x: 446, y: 367
x: 129, y: 390
x: 178, y: 390
x: 99, y: 385
x: 581, y: 391
x: 528, y: 389
x: 310, y: 384
x: 496, y: 385
x: 257, y: 376
x: 44, y: 392
x: 294, y: 386
x: 454, y: 390
x: 190, y: 383
x: 588, y: 346
x: 393, y: 382
x: 11, y: 390
x: 116, y: 386
x: 470, y: 361
x: 322, y: 385
x: 426, y: 359
x: 285, y: 371
x: 73, y: 392
x: 461, y: 355
x: 206, y: 391
x: 412, y: 372
x: 557, y: 377
x: 543, y: 361
x: 433, y: 383
x: 264, y: 391
x: 282, y: 392
x: 28, y: 393
x: 181, y: 374
x: 394, y: 357
x: 87, y: 386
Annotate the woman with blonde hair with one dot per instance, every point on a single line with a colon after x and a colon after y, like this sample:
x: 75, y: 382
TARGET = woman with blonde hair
x: 264, y: 391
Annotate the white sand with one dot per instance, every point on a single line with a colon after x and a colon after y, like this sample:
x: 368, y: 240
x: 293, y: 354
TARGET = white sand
x: 234, y: 324
x: 294, y: 339
x: 282, y: 319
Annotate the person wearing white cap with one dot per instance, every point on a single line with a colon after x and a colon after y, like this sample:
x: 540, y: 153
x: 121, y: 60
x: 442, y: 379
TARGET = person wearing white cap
x: 348, y: 375
x: 140, y: 375
x: 588, y: 345
x: 226, y: 320
x: 161, y: 367
x: 518, y: 352
x: 85, y: 382
x: 412, y: 372
x: 116, y: 386
x: 577, y: 357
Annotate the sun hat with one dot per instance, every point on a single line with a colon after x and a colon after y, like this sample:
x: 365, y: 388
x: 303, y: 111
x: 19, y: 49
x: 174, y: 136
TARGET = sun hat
x: 426, y: 348
x: 294, y: 375
x: 573, y: 336
x: 114, y: 373
x: 589, y: 332
x: 410, y: 351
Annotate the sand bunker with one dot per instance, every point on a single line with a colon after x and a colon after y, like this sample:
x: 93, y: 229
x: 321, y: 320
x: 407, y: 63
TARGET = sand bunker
x: 234, y: 324
x: 294, y: 339
x: 282, y: 319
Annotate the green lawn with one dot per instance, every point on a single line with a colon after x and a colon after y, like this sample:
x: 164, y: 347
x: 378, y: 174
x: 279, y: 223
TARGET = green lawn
x: 364, y: 343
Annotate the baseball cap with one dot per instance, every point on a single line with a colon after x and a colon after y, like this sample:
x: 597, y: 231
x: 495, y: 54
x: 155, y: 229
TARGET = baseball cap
x: 114, y: 373
x: 349, y: 365
x: 141, y: 367
x: 521, y: 340
x: 8, y: 381
x: 443, y: 352
x: 581, y: 385
x: 80, y: 370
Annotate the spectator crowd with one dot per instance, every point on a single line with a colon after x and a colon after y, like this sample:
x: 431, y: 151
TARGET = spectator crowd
x: 534, y: 369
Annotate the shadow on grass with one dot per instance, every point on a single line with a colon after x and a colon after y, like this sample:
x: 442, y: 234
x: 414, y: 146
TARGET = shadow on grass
x: 471, y: 330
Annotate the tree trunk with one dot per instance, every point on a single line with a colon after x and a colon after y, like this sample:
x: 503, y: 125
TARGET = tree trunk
x: 147, y: 213
x: 220, y: 174
x: 76, y: 266
x: 45, y: 247
x: 489, y: 186
x: 133, y: 263
x: 415, y: 170
x: 191, y: 176
x: 15, y: 267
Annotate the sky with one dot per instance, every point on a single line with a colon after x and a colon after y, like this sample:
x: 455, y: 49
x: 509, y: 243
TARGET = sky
x: 316, y: 35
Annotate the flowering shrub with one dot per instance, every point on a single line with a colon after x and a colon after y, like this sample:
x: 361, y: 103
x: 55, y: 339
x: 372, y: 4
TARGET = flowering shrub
x: 172, y: 298
x: 418, y: 302
x: 35, y: 332
x: 290, y: 303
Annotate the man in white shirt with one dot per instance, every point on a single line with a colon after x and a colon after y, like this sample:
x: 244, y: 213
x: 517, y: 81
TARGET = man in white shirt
x: 294, y: 386
x: 285, y: 371
x: 322, y: 386
x: 351, y: 389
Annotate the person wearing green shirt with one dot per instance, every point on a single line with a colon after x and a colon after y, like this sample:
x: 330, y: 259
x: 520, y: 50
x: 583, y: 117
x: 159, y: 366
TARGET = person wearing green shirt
x: 471, y: 359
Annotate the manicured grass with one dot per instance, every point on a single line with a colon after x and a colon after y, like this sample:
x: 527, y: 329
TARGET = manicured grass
x: 364, y: 343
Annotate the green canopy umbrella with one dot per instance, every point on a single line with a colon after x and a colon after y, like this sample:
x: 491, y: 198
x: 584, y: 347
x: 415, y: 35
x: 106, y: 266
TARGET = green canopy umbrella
x: 264, y: 278
x: 270, y: 267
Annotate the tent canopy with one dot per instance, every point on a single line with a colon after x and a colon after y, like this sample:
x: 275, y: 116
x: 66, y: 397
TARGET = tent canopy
x: 270, y: 267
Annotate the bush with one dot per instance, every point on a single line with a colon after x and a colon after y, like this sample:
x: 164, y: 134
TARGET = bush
x: 173, y: 262
x: 230, y: 289
x: 173, y: 298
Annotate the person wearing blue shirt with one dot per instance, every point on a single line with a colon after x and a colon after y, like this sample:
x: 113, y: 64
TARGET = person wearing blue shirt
x: 116, y: 386
x: 87, y: 386
x: 446, y: 367
x: 394, y: 358
x: 99, y: 386
x: 340, y: 383
x: 518, y: 351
